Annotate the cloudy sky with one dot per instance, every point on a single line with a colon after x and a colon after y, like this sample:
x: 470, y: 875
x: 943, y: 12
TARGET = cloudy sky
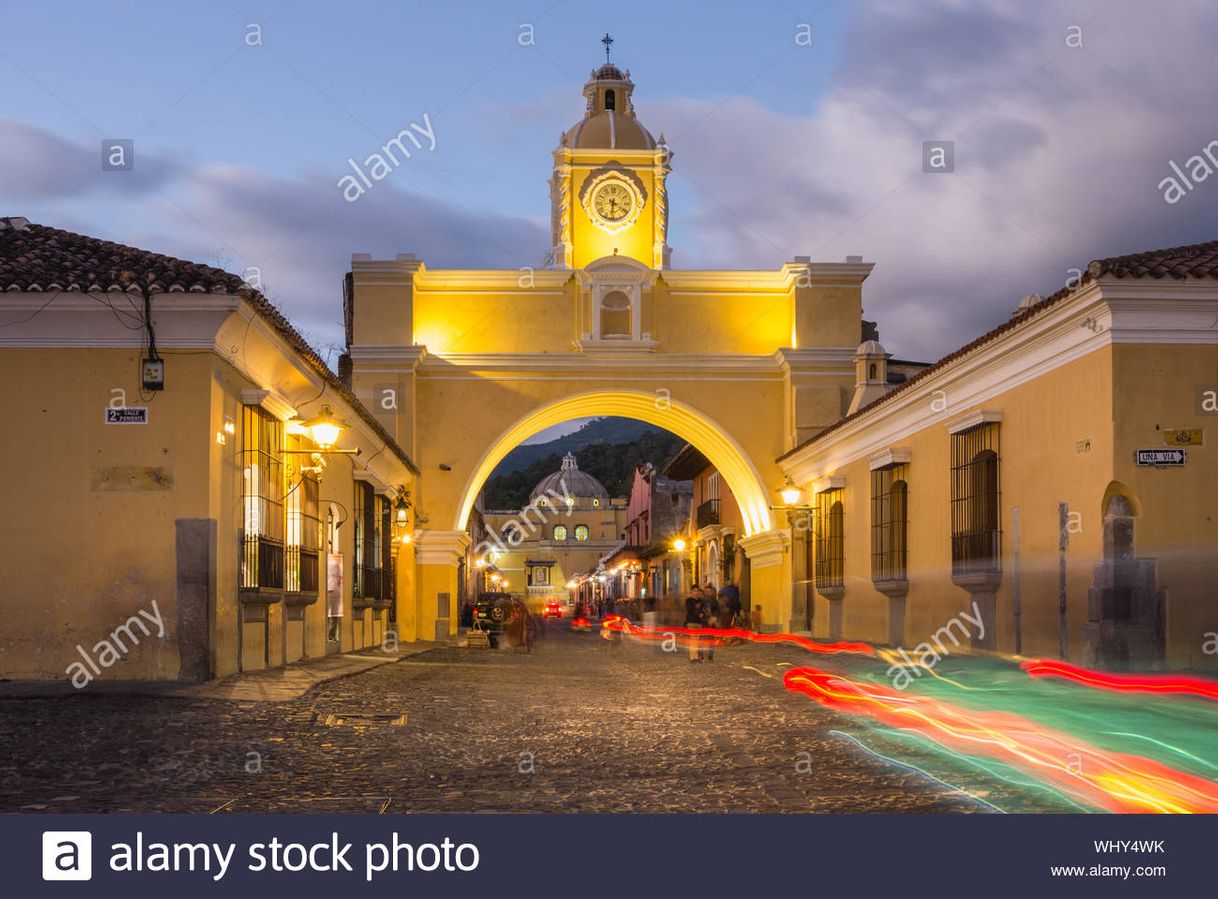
x: 243, y: 115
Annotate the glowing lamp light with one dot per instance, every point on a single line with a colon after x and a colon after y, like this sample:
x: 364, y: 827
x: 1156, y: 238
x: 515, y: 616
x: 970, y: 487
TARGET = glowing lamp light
x: 325, y: 429
x: 790, y: 494
x: 679, y: 545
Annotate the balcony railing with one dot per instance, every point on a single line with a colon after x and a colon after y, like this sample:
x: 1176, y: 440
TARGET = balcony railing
x: 367, y: 583
x: 261, y: 562
x: 708, y: 513
x: 302, y: 569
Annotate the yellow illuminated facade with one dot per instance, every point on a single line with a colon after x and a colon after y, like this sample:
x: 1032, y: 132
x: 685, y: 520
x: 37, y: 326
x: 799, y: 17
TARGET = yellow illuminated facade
x: 463, y: 365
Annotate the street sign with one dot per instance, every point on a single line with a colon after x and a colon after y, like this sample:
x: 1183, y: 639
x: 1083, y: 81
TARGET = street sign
x: 1184, y: 437
x: 127, y: 415
x: 1160, y: 457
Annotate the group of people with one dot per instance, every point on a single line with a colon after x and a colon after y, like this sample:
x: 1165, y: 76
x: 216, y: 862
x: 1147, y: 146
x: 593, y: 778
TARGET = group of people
x: 707, y: 608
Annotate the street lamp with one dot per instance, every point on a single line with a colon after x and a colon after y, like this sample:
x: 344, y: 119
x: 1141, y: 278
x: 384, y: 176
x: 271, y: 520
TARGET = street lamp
x: 679, y: 545
x: 325, y: 428
x: 790, y: 493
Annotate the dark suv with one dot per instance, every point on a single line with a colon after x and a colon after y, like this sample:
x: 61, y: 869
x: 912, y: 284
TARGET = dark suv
x: 503, y: 617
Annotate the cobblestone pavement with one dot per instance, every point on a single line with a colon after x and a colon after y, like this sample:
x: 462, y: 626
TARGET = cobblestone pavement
x: 578, y: 725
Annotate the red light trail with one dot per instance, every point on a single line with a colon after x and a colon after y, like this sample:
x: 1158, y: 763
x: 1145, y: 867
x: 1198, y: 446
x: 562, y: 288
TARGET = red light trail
x: 1113, y: 781
x: 1124, y: 683
x: 719, y: 636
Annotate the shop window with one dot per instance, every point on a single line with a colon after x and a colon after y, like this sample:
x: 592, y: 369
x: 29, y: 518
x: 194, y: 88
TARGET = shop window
x: 976, y: 523
x: 890, y: 523
x: 581, y: 532
x: 262, y: 500
x: 560, y: 532
x: 829, y: 526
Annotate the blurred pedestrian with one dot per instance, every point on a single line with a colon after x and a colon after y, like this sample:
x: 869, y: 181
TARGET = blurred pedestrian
x: 695, y: 620
x: 714, y: 619
x: 729, y: 596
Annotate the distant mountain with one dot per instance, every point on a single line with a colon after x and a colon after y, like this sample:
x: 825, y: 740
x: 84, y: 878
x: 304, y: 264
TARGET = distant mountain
x: 599, y: 430
x: 612, y: 464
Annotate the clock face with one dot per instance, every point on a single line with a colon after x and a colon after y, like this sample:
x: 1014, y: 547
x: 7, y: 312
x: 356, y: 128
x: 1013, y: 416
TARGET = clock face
x: 613, y: 201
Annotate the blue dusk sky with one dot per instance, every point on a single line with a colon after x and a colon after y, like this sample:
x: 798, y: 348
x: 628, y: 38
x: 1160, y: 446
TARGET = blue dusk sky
x: 243, y: 115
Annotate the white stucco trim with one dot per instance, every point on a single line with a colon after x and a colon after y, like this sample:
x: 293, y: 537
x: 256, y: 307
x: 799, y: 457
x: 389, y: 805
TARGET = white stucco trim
x: 897, y: 455
x: 977, y: 417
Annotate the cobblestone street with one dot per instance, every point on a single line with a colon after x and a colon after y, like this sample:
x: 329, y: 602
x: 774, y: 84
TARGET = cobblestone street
x: 578, y: 725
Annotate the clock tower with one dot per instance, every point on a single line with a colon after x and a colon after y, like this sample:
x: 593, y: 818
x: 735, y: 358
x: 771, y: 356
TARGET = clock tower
x: 608, y: 195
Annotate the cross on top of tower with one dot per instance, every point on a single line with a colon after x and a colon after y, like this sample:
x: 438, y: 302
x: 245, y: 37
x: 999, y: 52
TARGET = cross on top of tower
x: 608, y: 42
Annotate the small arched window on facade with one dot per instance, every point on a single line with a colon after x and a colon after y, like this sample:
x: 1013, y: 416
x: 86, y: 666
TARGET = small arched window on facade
x: 610, y: 99
x: 615, y: 315
x: 581, y: 532
x: 560, y: 532
x: 871, y: 372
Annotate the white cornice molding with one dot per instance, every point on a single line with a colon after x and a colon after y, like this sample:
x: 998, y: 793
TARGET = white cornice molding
x: 592, y: 363
x: 829, y: 482
x: 543, y: 280
x: 434, y: 547
x: 402, y: 270
x: 269, y: 400
x: 802, y: 361
x: 368, y: 476
x: 71, y: 319
x: 896, y: 455
x: 973, y: 419
x: 766, y: 548
x: 1099, y: 314
x: 407, y: 357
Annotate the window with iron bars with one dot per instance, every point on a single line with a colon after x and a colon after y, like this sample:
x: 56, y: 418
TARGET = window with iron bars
x: 976, y: 522
x: 829, y: 529
x: 261, y: 535
x: 303, y: 550
x: 388, y: 581
x: 890, y: 523
x: 368, y: 516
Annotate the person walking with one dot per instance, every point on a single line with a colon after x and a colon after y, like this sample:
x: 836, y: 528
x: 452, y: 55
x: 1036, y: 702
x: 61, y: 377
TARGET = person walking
x: 713, y: 620
x: 729, y: 596
x: 695, y: 620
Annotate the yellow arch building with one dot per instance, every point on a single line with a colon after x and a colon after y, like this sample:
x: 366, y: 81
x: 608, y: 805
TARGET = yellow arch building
x: 463, y: 365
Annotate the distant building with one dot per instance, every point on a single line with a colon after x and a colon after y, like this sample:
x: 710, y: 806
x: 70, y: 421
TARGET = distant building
x: 568, y: 525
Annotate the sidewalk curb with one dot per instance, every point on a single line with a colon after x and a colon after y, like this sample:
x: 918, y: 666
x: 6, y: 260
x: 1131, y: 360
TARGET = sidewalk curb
x: 282, y: 684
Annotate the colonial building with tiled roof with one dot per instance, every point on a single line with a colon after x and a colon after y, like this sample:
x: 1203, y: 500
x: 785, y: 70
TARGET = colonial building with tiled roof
x: 1056, y: 474
x: 185, y: 447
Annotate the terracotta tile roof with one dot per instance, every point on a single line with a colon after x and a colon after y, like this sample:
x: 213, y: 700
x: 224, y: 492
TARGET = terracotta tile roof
x: 38, y: 259
x: 1192, y: 261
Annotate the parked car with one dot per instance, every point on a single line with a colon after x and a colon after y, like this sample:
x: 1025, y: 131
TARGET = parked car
x: 552, y: 609
x: 504, y: 618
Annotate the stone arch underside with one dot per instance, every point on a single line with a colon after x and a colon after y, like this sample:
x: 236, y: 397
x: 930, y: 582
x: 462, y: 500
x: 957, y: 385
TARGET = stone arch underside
x: 719, y: 447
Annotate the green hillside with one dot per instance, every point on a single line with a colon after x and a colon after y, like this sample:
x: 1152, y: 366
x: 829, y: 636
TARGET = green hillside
x: 600, y: 430
x: 612, y: 464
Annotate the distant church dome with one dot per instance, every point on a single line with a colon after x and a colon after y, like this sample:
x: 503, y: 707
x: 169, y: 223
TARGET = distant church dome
x: 570, y: 482
x: 609, y: 122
